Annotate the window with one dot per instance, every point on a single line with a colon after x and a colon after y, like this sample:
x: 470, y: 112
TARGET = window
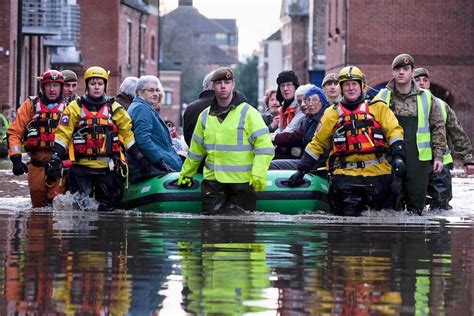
x: 129, y: 43
x: 152, y: 47
x: 221, y: 39
x: 168, y: 98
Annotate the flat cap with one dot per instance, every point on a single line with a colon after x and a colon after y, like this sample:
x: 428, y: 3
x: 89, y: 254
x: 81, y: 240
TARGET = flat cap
x: 222, y: 73
x: 421, y: 72
x: 69, y: 75
x: 330, y: 77
x: 403, y: 60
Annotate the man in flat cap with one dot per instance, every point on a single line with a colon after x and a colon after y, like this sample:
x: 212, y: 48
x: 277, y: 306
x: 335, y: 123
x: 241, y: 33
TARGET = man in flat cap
x: 440, y: 185
x: 331, y: 88
x: 233, y: 140
x: 424, y: 132
x: 70, y: 85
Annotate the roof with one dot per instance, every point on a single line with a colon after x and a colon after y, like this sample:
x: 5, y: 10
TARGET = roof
x: 229, y: 24
x: 274, y: 37
x: 187, y: 15
x: 216, y: 55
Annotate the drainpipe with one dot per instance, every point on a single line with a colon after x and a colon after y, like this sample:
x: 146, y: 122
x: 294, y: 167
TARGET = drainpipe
x: 140, y: 44
x: 346, y: 38
x: 19, y: 52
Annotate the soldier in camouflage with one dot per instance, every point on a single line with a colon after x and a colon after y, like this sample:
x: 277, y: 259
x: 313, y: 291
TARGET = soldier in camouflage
x: 425, y: 134
x: 440, y: 186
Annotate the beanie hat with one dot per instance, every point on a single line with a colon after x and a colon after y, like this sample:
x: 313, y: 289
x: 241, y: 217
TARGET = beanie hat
x: 319, y: 92
x: 286, y: 76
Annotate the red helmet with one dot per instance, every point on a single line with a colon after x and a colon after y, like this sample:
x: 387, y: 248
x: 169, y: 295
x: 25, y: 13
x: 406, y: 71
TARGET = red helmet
x: 51, y: 76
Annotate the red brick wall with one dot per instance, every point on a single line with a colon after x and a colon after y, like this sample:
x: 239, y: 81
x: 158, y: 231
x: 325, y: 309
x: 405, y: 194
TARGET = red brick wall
x: 8, y: 34
x: 436, y: 34
x: 171, y: 82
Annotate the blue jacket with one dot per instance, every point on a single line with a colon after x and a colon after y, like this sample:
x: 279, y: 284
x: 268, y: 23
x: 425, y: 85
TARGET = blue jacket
x: 152, y: 135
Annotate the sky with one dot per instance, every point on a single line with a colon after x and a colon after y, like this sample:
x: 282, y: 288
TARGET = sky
x: 256, y: 19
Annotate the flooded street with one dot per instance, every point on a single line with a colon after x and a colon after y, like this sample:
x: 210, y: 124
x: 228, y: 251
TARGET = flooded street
x: 63, y: 262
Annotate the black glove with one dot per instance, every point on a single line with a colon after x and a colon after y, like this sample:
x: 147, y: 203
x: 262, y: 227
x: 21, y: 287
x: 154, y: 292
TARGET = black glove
x: 19, y: 167
x: 306, y: 163
x: 137, y: 154
x: 398, y: 166
x: 296, y: 179
x: 53, y: 167
x: 164, y: 166
x: 398, y: 149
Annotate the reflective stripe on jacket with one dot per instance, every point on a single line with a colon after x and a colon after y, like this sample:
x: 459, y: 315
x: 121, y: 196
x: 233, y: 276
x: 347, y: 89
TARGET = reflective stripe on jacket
x: 234, y: 149
x: 447, y: 158
x: 423, y: 133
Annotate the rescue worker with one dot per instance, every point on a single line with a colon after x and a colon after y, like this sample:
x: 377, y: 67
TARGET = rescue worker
x: 70, y: 85
x: 331, y: 88
x: 361, y: 134
x: 234, y: 141
x: 96, y: 128
x: 440, y: 184
x: 34, y: 128
x: 423, y: 125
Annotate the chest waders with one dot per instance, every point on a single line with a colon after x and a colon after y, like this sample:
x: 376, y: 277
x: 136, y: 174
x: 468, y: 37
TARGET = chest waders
x: 415, y: 183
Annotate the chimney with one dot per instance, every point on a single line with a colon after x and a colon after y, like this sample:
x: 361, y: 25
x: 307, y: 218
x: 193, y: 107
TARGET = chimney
x: 185, y: 3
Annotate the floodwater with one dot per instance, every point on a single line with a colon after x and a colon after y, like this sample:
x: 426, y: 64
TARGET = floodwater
x: 56, y: 261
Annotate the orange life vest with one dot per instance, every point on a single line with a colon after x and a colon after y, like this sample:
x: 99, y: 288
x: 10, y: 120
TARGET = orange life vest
x: 97, y: 134
x: 40, y: 130
x: 357, y: 132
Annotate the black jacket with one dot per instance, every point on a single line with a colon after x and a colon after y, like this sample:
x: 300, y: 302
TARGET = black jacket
x: 192, y: 112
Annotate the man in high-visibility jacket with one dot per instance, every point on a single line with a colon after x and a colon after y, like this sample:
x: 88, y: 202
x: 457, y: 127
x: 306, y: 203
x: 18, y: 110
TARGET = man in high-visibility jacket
x: 423, y: 125
x: 232, y: 138
x: 34, y: 128
x: 360, y: 135
x: 440, y: 187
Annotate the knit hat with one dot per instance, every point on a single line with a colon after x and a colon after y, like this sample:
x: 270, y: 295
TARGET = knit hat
x: 69, y: 75
x: 421, y: 72
x: 286, y: 76
x: 330, y: 77
x: 319, y: 92
x: 402, y: 60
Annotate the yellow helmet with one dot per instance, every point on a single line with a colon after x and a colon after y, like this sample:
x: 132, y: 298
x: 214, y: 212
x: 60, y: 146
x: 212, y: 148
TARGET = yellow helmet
x: 96, y: 72
x: 351, y: 73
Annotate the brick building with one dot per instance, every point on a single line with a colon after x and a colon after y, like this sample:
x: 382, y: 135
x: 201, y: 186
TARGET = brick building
x: 370, y: 33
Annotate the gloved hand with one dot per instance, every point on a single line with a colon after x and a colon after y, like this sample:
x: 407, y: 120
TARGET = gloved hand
x: 19, y: 167
x: 185, y: 182
x: 53, y: 168
x: 258, y: 183
x: 163, y: 166
x: 296, y: 179
x: 145, y: 166
x: 398, y: 166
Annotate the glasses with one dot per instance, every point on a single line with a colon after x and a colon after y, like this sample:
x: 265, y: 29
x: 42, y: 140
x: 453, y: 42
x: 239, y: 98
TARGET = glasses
x: 285, y: 85
x: 312, y: 101
x: 151, y: 90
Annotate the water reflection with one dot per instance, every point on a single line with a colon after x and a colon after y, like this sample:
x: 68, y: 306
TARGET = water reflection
x: 126, y: 263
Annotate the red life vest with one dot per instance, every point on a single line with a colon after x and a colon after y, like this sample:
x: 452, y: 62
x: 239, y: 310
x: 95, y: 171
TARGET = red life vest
x: 97, y: 134
x: 40, y: 130
x: 357, y: 132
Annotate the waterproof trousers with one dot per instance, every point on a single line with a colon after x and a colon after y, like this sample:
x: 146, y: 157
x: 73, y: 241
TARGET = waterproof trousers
x: 105, y: 186
x: 350, y: 195
x: 440, y: 189
x: 415, y: 183
x: 42, y: 191
x: 219, y: 197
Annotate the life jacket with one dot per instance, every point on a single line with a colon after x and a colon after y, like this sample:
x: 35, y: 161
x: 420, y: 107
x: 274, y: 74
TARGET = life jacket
x: 96, y: 134
x: 357, y: 132
x: 40, y: 130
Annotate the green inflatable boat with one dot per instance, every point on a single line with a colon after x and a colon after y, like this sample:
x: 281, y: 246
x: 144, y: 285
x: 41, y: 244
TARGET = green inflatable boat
x: 162, y: 195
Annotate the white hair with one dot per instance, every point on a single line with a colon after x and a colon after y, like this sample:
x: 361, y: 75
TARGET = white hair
x: 302, y: 89
x: 129, y: 86
x: 206, y: 82
x: 145, y: 80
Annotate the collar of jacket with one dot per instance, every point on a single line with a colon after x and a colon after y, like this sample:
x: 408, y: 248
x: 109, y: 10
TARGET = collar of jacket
x: 413, y: 91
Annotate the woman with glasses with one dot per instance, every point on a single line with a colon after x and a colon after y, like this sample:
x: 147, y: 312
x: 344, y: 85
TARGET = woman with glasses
x: 151, y: 132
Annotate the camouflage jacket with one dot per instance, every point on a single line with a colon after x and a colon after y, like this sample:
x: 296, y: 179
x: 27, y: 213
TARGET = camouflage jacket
x: 406, y: 105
